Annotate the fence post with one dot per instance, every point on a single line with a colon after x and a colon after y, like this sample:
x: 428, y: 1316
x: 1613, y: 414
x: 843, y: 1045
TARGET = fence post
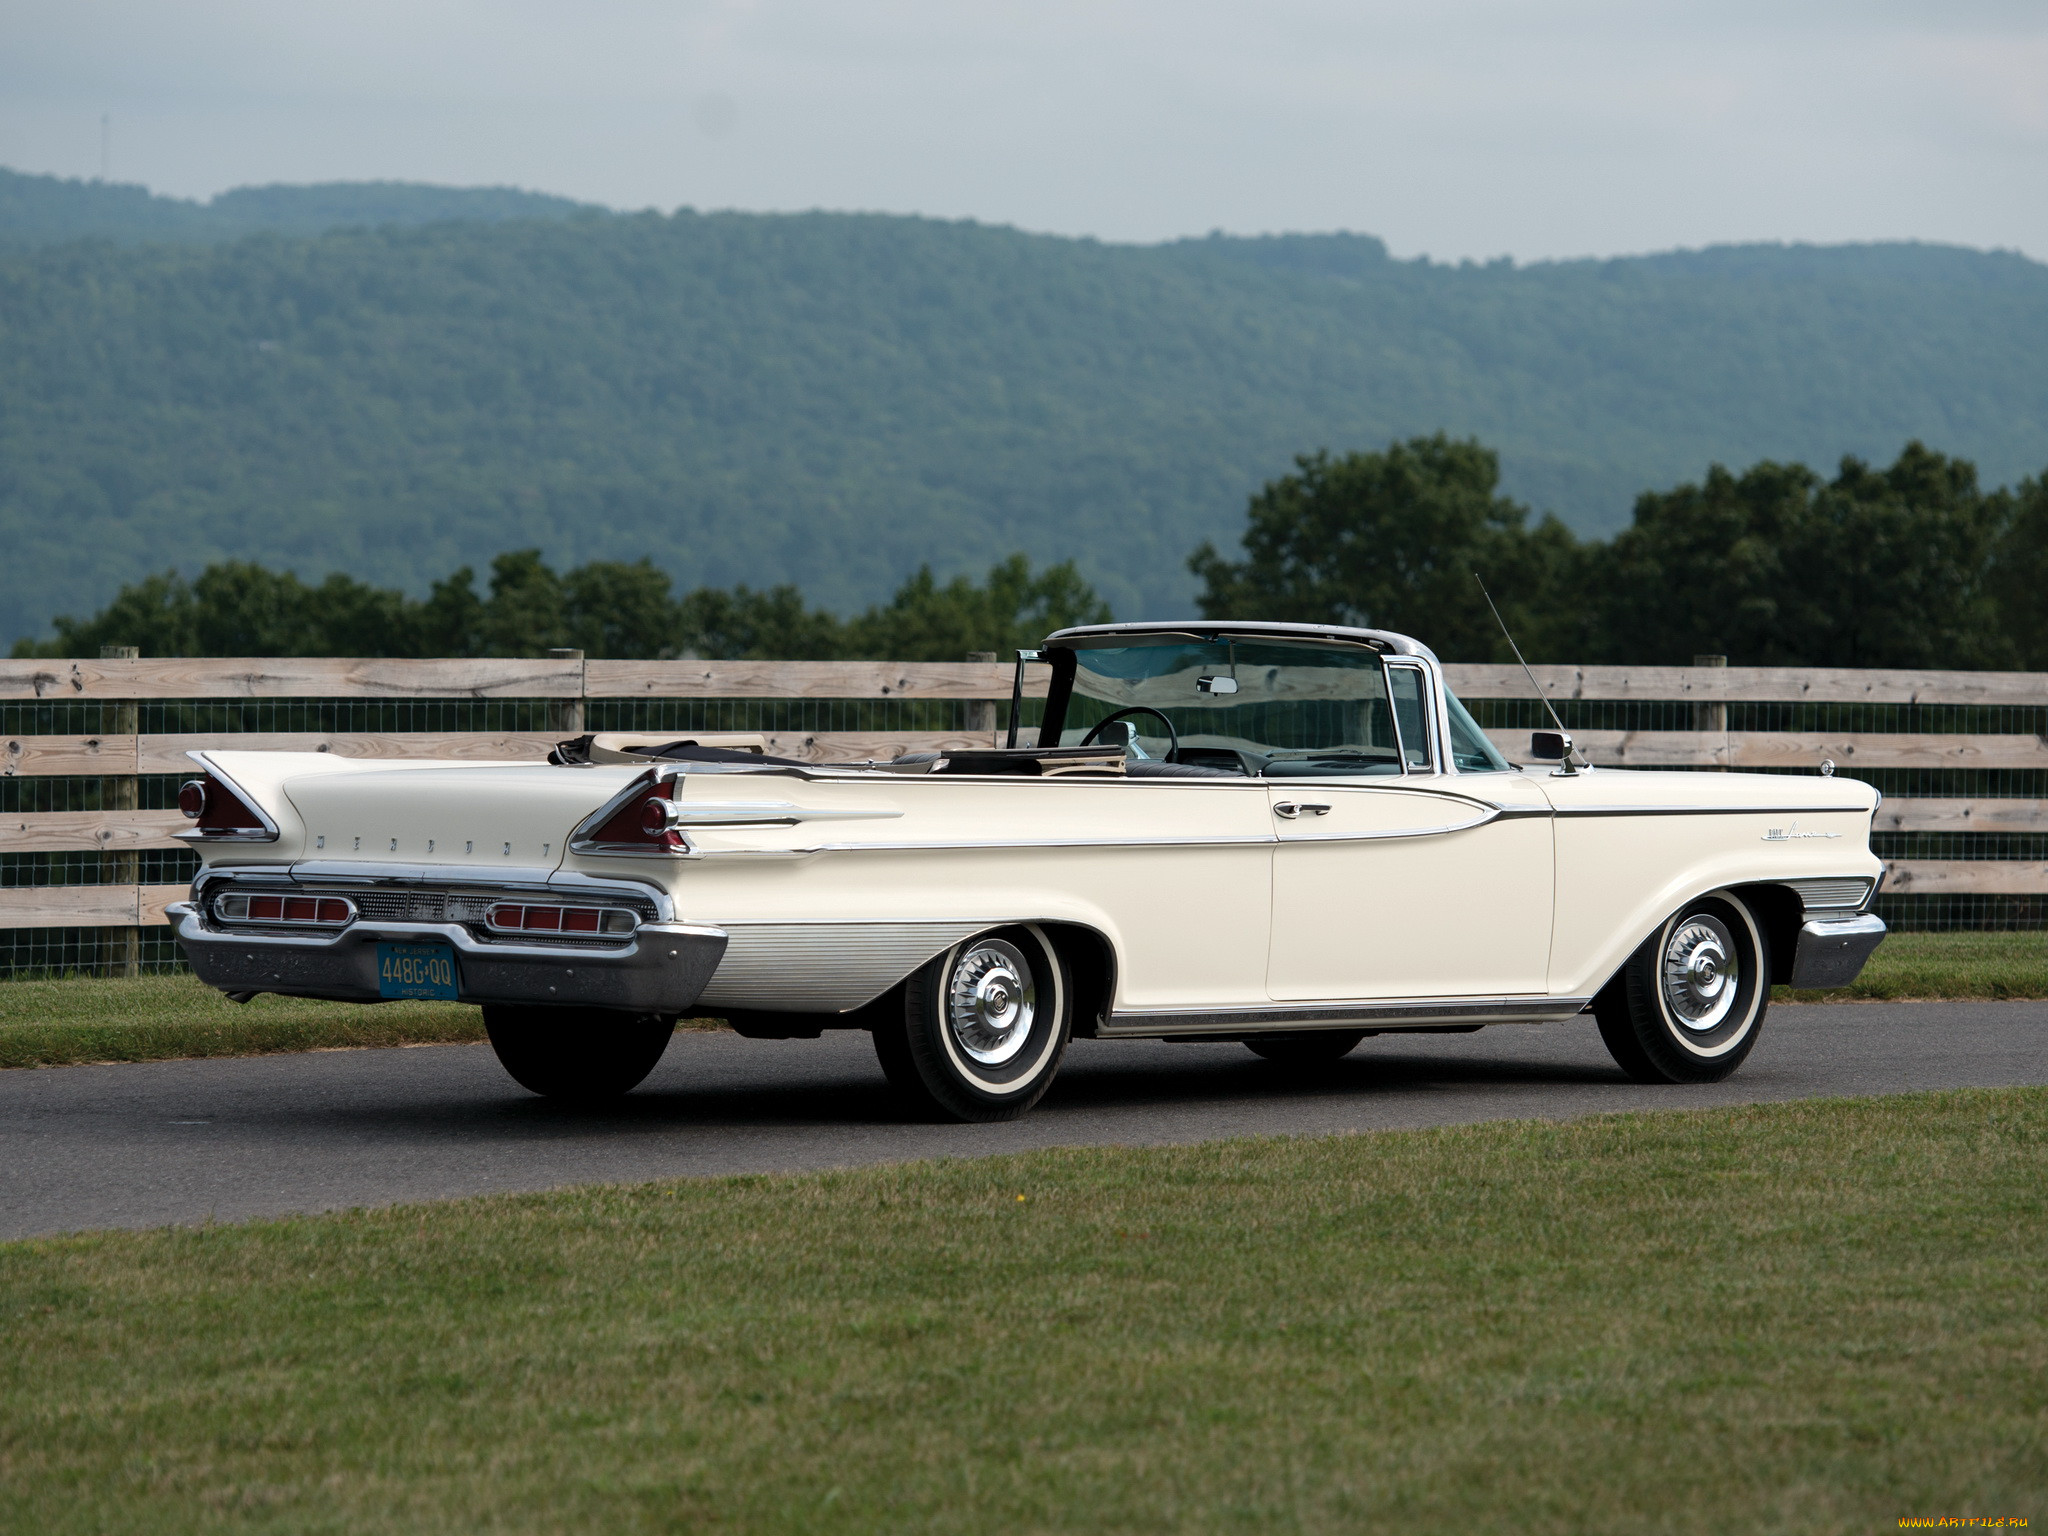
x: 123, y: 945
x: 981, y: 713
x: 566, y: 715
x: 1713, y: 718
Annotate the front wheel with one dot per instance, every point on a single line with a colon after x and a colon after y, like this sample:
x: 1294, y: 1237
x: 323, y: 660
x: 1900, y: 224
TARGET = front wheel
x: 580, y: 1055
x: 982, y: 1028
x: 1687, y: 1007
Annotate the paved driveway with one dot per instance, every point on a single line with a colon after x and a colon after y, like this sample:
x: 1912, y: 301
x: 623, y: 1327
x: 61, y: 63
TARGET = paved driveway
x: 147, y: 1144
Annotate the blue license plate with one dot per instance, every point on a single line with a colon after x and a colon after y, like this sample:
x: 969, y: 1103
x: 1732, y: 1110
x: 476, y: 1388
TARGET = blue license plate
x: 416, y: 970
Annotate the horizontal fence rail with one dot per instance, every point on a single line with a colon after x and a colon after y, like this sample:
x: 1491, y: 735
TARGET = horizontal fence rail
x: 119, y: 858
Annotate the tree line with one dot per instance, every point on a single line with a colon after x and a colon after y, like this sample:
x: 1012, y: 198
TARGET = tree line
x: 604, y: 608
x: 1910, y: 565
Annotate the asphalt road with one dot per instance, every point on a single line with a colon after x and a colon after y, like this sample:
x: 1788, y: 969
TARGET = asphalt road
x: 155, y: 1143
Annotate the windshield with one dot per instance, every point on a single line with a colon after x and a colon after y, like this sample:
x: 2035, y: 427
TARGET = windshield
x: 1275, y: 708
x: 1470, y: 749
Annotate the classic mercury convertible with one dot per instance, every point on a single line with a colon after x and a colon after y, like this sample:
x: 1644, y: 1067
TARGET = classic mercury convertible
x: 1287, y: 835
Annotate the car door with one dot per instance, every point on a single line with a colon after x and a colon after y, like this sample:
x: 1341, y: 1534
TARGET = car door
x: 1425, y: 884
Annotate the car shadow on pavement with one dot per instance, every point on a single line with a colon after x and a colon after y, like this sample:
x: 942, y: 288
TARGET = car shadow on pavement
x: 853, y: 1096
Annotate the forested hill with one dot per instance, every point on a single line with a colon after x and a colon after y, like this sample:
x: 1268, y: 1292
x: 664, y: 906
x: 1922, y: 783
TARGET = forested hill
x: 40, y: 210
x: 836, y: 399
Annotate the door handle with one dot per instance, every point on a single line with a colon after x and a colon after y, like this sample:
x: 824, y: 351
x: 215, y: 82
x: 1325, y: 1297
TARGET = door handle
x: 1290, y: 809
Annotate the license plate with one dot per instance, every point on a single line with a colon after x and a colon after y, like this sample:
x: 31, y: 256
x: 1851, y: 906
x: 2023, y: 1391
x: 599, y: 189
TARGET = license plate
x: 416, y: 970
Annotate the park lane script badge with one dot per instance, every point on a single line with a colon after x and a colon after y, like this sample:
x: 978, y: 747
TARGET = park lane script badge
x: 1792, y: 834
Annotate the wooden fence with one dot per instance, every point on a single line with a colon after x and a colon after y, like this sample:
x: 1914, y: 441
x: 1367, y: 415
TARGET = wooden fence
x: 569, y: 683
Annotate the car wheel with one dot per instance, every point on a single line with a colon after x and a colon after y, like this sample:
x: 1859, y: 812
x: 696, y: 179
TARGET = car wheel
x: 1688, y: 1006
x: 982, y: 1028
x: 578, y: 1055
x: 1306, y: 1048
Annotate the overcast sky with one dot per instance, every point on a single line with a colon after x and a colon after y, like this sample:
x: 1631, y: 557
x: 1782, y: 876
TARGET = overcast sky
x: 1453, y: 129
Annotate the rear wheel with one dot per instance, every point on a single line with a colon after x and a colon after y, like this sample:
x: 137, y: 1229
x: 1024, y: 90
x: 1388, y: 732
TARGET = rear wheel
x: 982, y: 1028
x: 1687, y: 1007
x: 1308, y: 1047
x: 579, y: 1055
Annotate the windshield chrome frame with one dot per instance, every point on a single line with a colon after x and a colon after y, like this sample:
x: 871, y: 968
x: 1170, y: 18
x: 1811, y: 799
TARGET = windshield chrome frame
x: 1062, y: 651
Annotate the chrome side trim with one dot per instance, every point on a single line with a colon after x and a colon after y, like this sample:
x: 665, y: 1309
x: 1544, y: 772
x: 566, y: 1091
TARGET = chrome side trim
x: 1266, y: 839
x: 711, y: 813
x: 1391, y: 1014
x: 1712, y: 810
x: 823, y: 967
x: 1486, y: 810
x: 1492, y: 815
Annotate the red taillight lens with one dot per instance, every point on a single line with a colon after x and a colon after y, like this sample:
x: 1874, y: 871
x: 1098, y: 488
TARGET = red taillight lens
x: 644, y: 822
x: 217, y: 808
x: 241, y: 907
x: 510, y: 918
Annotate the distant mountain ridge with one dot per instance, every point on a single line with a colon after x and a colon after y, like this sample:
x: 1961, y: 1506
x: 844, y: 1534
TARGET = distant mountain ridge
x: 40, y: 210
x: 836, y: 399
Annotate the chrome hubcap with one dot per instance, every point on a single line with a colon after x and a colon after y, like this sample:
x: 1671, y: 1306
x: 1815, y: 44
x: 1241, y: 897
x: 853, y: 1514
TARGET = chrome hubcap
x: 991, y: 1002
x: 1701, y: 974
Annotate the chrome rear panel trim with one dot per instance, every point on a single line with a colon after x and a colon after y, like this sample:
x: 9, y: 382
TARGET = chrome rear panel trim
x: 823, y: 967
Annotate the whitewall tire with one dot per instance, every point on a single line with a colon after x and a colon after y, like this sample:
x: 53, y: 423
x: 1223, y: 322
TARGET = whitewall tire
x: 1688, y: 1005
x: 983, y: 1027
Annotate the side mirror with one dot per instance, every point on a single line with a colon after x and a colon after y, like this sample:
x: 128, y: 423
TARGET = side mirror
x: 1550, y: 746
x: 1216, y: 684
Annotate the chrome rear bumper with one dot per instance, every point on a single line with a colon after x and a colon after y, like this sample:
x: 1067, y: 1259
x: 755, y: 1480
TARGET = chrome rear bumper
x: 663, y: 970
x: 1832, y: 949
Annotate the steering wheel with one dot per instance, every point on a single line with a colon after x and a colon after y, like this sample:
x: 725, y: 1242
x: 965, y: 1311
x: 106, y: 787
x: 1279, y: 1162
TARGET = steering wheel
x: 1172, y: 736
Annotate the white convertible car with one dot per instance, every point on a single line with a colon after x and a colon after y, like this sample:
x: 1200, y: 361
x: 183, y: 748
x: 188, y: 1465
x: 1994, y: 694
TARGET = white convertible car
x: 1287, y: 835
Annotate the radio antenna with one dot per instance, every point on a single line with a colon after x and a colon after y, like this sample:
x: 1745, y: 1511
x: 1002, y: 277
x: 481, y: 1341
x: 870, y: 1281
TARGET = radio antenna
x: 1527, y: 671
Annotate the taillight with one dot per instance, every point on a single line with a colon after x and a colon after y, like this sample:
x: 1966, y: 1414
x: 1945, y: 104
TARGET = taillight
x: 330, y: 911
x: 518, y: 917
x: 646, y: 821
x: 219, y: 811
x: 658, y: 815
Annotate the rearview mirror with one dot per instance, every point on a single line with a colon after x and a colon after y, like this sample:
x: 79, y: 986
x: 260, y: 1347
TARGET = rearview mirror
x: 1550, y: 746
x: 1216, y: 684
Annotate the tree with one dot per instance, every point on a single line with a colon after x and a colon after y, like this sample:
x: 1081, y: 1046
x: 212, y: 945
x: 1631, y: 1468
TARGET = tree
x: 1391, y: 540
x: 1012, y: 609
x: 605, y: 608
x: 730, y: 624
x: 1876, y: 568
x: 2019, y: 574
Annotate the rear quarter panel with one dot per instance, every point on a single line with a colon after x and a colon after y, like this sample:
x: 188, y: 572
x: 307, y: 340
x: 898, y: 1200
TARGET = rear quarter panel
x: 1177, y: 875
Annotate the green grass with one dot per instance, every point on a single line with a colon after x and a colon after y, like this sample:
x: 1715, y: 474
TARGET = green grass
x: 57, y: 1023
x: 155, y: 1018
x: 1945, y: 965
x: 1810, y: 1317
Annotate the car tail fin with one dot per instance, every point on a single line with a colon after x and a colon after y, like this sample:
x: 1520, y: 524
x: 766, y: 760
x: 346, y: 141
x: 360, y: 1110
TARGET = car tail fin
x: 222, y: 813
